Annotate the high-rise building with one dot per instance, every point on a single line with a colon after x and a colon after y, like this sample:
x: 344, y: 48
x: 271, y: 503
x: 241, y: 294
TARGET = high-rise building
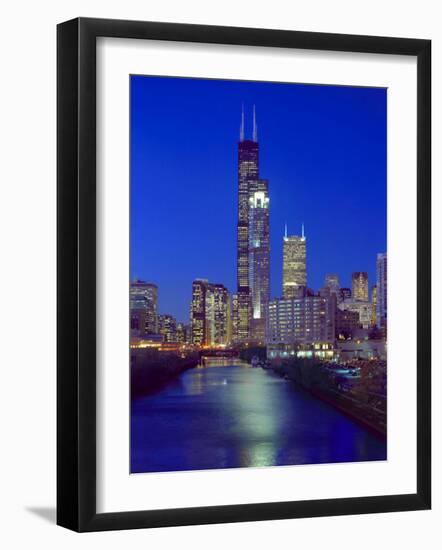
x: 252, y: 236
x: 218, y: 318
x: 332, y: 282
x: 167, y: 326
x: 198, y: 312
x: 182, y: 333
x: 374, y: 298
x: 234, y: 316
x: 294, y: 267
x: 306, y: 320
x: 359, y: 286
x: 210, y: 314
x: 381, y: 283
x: 144, y: 307
x: 344, y: 294
x: 259, y: 259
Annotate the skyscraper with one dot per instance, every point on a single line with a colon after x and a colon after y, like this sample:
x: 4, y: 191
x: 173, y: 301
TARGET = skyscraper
x: 218, y: 321
x: 359, y: 286
x: 294, y: 267
x: 253, y: 264
x: 374, y: 298
x: 259, y: 259
x: 210, y: 314
x: 144, y: 307
x: 381, y: 297
x: 167, y: 326
x: 198, y: 312
x: 332, y: 282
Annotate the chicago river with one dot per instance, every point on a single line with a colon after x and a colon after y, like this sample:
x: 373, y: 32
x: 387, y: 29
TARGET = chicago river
x: 239, y: 416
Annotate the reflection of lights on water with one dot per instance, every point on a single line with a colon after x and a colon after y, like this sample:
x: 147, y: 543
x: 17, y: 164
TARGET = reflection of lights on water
x: 258, y: 455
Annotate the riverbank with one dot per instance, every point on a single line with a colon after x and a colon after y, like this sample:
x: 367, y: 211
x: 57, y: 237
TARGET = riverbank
x: 151, y: 370
x: 235, y: 417
x: 362, y: 398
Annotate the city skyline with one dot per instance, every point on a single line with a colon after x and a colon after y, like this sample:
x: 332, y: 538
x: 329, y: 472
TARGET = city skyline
x: 339, y: 241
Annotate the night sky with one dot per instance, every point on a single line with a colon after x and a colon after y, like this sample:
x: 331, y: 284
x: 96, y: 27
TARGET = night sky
x: 322, y: 148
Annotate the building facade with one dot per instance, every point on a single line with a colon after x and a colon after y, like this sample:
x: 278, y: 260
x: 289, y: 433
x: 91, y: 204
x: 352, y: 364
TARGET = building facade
x: 183, y: 333
x: 259, y: 259
x: 294, y: 267
x: 359, y: 286
x: 347, y: 323
x: 198, y: 312
x: 167, y: 326
x: 364, y: 310
x: 210, y: 314
x: 332, y: 282
x: 303, y: 321
x: 344, y: 294
x: 381, y: 283
x: 374, y: 299
x: 143, y: 307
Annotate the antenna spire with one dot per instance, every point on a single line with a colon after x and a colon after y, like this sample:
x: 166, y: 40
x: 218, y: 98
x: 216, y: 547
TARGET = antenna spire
x: 302, y: 233
x: 241, y: 128
x: 255, y: 126
x: 285, y: 232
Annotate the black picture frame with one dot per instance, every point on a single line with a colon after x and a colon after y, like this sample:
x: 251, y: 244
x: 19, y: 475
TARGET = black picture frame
x: 76, y: 274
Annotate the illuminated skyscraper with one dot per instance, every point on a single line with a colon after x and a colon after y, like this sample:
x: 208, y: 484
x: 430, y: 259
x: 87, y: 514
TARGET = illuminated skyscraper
x: 167, y: 326
x: 182, y: 333
x: 359, y: 286
x: 374, y: 297
x: 144, y: 307
x: 218, y: 321
x: 198, y: 312
x: 234, y: 314
x: 253, y: 264
x: 294, y: 267
x: 381, y: 283
x: 259, y: 259
x: 210, y: 314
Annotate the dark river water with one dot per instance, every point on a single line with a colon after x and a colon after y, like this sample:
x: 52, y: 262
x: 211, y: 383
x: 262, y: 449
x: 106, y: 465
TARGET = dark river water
x: 237, y: 416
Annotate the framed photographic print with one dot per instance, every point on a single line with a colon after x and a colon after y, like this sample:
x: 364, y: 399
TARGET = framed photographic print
x: 243, y: 274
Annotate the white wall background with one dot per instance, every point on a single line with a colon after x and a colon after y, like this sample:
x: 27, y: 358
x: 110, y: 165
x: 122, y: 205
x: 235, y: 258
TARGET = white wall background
x: 27, y: 276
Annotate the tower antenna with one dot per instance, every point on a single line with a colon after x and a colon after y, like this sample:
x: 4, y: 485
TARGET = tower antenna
x: 255, y: 126
x: 241, y: 129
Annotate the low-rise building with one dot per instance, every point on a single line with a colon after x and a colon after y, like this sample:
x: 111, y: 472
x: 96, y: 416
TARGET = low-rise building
x: 301, y: 325
x: 364, y: 309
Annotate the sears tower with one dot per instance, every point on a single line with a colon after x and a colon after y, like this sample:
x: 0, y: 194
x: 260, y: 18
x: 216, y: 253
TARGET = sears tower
x: 253, y: 247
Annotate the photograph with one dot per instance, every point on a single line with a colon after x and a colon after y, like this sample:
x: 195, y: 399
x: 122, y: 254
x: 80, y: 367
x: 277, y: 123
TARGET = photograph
x: 258, y: 274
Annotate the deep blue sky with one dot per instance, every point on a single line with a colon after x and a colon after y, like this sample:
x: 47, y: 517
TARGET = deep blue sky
x: 322, y: 148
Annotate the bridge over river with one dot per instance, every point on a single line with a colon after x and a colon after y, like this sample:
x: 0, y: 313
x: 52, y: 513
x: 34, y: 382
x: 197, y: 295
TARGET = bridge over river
x: 217, y: 353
